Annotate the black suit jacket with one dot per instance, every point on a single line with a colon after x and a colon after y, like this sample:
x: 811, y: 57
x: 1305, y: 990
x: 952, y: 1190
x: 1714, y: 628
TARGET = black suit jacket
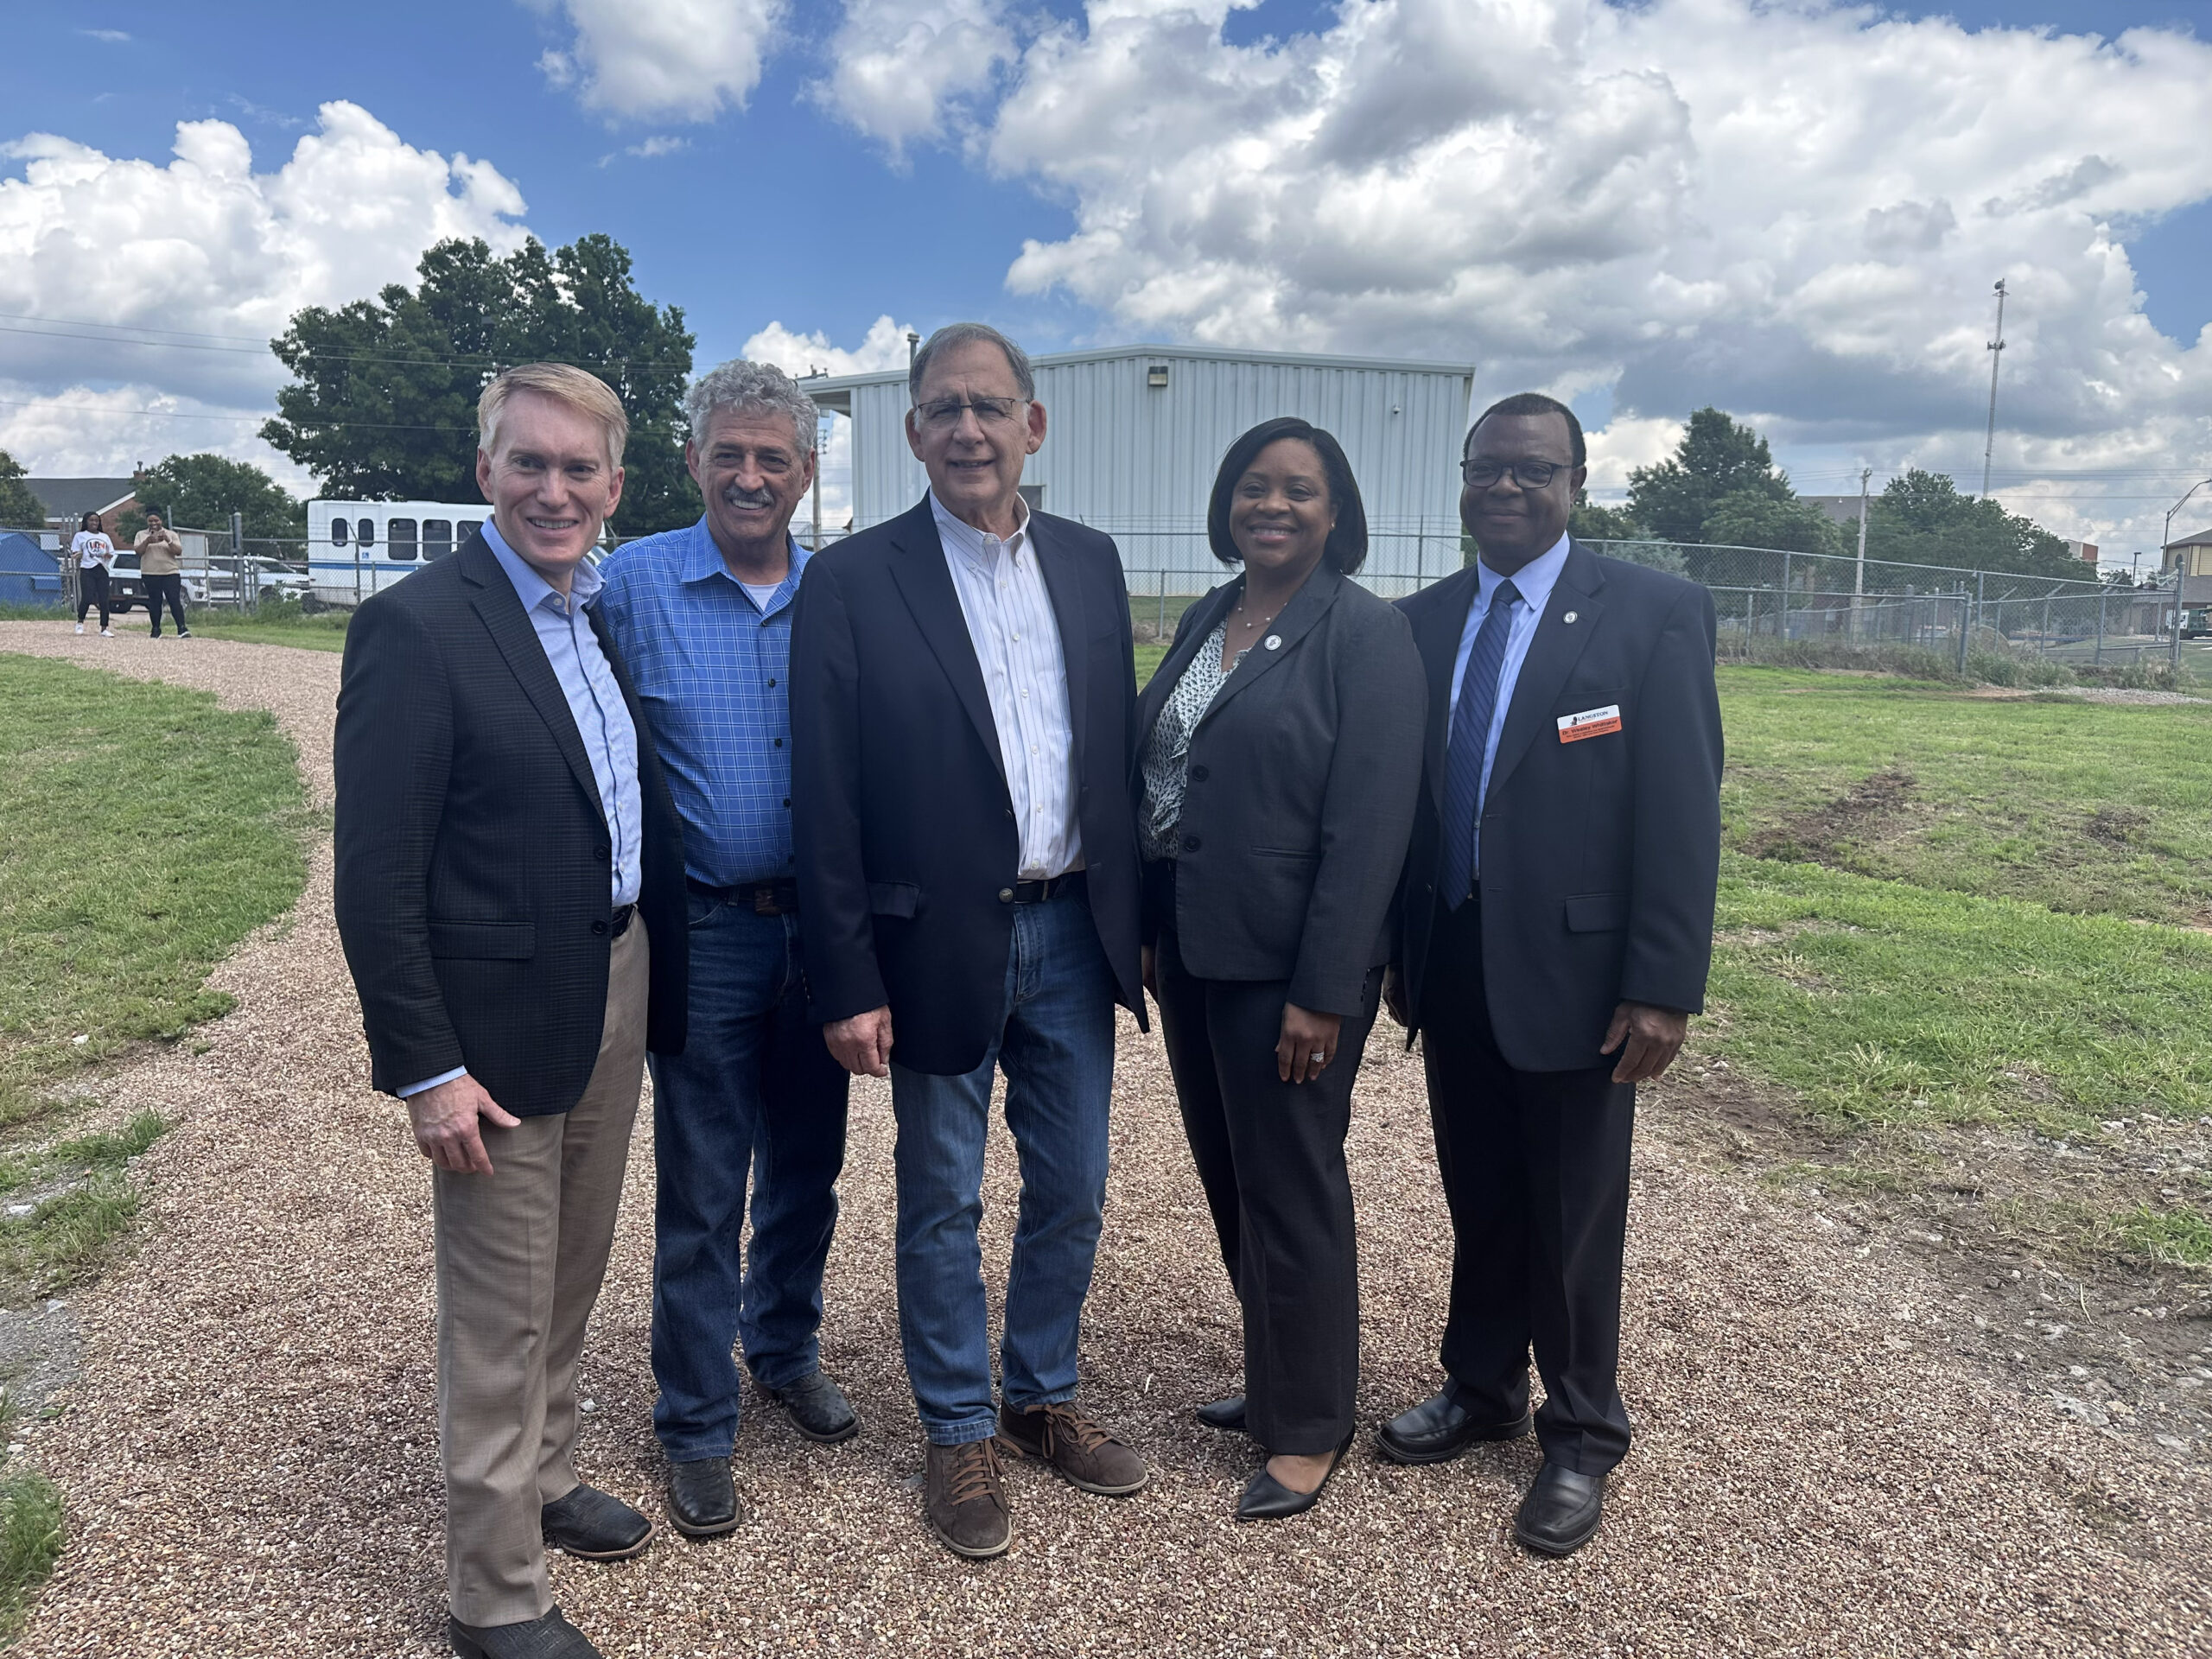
x: 904, y: 823
x: 1599, y: 858
x: 1300, y: 791
x: 473, y: 858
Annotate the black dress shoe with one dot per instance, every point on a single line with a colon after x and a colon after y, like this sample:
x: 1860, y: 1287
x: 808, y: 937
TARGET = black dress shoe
x: 1560, y: 1512
x: 550, y: 1637
x: 1268, y: 1499
x: 1437, y: 1430
x: 702, y: 1498
x: 599, y: 1528
x: 818, y: 1408
x: 1224, y: 1413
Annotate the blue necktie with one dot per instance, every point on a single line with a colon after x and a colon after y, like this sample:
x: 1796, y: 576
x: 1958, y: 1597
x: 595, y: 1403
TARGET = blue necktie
x: 1463, y: 770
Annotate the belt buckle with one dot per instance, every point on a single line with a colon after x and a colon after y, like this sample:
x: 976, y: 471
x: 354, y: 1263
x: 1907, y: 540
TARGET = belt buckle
x: 764, y: 900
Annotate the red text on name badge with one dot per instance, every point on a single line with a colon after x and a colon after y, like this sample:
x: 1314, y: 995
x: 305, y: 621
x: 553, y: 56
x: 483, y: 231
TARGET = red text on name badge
x: 1590, y: 723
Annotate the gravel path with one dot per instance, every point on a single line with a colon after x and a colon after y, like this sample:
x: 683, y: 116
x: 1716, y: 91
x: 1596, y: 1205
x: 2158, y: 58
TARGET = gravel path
x: 250, y: 1459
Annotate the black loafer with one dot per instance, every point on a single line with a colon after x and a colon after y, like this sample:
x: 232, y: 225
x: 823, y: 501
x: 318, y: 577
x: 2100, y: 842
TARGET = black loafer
x: 589, y: 1524
x: 1224, y: 1413
x: 550, y: 1637
x: 1438, y: 1430
x: 1560, y: 1512
x: 818, y: 1408
x: 1268, y: 1499
x: 702, y: 1498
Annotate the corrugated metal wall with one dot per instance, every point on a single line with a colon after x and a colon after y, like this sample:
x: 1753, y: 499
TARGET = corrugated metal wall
x: 1138, y: 461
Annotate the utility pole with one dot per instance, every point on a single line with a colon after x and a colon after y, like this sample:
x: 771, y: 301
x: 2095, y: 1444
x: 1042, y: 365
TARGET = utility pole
x: 913, y: 345
x: 2181, y: 567
x: 1858, y: 577
x: 1996, y: 358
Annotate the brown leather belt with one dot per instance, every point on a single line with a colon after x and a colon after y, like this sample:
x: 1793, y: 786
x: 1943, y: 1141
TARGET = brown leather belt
x: 1037, y: 891
x: 761, y: 898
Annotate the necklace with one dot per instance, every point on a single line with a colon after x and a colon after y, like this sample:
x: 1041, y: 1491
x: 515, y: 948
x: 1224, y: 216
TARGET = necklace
x: 1254, y: 623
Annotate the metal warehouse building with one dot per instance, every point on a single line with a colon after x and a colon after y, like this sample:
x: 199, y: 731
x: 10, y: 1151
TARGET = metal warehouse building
x: 1136, y: 431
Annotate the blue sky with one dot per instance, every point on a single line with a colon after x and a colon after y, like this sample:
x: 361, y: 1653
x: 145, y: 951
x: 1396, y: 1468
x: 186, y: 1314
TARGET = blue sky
x: 1974, y: 157
x: 852, y: 237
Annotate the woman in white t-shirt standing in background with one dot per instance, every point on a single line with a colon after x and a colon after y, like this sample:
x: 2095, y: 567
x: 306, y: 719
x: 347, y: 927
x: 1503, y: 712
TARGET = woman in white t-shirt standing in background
x: 95, y: 557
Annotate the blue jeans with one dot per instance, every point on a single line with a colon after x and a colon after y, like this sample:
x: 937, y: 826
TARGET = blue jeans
x: 754, y: 1087
x: 1056, y: 1043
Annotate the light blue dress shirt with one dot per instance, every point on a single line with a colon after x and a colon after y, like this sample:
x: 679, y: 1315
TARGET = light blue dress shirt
x: 710, y: 658
x: 1534, y: 582
x: 610, y: 737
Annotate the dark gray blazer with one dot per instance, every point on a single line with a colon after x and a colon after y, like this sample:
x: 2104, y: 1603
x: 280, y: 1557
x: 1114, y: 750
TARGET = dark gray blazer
x: 1303, y: 778
x: 1600, y: 858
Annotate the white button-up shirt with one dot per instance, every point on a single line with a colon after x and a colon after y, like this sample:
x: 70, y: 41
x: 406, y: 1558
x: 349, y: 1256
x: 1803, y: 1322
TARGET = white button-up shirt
x: 1017, y: 639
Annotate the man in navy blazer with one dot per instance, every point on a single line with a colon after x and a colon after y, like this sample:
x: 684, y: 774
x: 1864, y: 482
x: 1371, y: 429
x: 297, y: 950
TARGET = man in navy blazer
x: 1556, y: 927
x: 963, y: 710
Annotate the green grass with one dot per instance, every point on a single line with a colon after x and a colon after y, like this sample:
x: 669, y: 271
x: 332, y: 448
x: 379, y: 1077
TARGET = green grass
x: 277, y: 626
x: 2091, y: 807
x: 30, y: 1540
x: 1880, y: 1004
x: 144, y: 833
x: 2180, y: 1237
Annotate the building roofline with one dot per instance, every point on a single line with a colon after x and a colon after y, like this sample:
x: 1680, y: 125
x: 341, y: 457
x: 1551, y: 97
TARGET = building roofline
x: 839, y: 382
x: 2203, y: 538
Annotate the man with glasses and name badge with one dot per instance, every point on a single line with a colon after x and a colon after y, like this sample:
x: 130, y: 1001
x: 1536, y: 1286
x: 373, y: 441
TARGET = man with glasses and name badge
x: 1556, y: 930
x: 962, y: 706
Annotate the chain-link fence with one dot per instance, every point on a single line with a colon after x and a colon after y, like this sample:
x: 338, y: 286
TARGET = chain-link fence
x: 1814, y: 608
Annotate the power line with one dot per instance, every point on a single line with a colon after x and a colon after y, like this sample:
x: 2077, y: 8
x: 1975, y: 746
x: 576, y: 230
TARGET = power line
x: 182, y: 415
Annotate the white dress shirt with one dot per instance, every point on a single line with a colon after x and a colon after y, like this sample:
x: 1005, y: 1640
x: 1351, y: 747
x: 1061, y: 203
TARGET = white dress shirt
x: 1017, y: 639
x: 1534, y: 582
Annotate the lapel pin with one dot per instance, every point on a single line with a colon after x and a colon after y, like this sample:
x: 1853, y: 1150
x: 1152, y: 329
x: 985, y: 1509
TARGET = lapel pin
x: 1569, y: 617
x: 1273, y: 642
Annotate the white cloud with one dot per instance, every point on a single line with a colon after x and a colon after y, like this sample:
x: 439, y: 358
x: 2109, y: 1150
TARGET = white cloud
x: 884, y: 346
x: 1794, y: 210
x: 107, y: 36
x: 160, y: 285
x: 665, y: 60
x: 898, y: 66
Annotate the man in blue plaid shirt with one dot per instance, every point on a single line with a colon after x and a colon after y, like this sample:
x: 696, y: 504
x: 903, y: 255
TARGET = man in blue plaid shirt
x: 703, y: 617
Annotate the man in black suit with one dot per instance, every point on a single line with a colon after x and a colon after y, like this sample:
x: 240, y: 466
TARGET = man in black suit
x: 1557, y: 909
x: 510, y: 893
x: 963, y: 701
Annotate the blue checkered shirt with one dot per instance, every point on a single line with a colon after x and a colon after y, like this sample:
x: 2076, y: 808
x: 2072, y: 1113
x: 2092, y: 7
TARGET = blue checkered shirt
x: 713, y: 672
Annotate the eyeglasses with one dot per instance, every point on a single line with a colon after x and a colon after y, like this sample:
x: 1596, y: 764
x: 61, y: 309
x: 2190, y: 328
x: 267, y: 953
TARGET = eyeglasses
x: 1528, y: 474
x: 945, y: 413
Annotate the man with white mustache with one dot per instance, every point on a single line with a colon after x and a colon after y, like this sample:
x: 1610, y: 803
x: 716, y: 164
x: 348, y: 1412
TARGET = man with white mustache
x: 703, y: 618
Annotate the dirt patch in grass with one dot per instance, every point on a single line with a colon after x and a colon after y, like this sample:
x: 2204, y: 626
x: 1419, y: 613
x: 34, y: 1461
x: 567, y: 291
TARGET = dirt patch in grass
x: 2118, y: 826
x: 2075, y: 1270
x: 1824, y: 835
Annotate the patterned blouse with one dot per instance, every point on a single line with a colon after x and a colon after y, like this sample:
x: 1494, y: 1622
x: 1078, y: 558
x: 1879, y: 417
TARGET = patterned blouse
x: 1166, y: 754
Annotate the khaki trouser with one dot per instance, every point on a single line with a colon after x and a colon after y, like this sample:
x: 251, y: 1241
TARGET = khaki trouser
x: 521, y: 1253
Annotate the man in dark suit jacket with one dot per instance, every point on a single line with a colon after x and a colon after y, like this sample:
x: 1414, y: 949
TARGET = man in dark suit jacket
x: 963, y: 697
x: 1557, y: 909
x: 510, y: 893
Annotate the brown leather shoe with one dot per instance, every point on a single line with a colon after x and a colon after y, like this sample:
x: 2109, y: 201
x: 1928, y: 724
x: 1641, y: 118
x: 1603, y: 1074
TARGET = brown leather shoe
x: 966, y: 1500
x: 1077, y: 1446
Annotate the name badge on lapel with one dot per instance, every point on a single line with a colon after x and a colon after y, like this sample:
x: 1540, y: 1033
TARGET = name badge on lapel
x: 1590, y: 723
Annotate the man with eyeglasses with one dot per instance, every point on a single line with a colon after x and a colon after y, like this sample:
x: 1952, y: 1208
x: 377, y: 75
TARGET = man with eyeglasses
x: 962, y: 703
x: 1556, y: 930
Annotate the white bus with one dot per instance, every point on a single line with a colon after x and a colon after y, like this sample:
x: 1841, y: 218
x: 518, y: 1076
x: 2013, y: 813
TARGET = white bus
x: 357, y: 548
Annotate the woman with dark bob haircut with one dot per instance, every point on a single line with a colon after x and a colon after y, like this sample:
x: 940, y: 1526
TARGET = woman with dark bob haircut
x: 1279, y: 754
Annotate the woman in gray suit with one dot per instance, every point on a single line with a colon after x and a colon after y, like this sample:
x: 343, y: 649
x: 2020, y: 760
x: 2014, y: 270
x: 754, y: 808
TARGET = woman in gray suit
x: 1279, y: 754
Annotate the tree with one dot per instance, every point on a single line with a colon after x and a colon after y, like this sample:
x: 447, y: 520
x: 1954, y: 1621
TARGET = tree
x: 203, y: 491
x: 1920, y: 519
x: 19, y: 508
x: 1592, y: 523
x: 383, y: 403
x: 1718, y: 457
x: 1754, y: 517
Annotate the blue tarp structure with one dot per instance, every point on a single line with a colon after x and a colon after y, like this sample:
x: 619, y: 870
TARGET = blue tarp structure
x: 29, y: 574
